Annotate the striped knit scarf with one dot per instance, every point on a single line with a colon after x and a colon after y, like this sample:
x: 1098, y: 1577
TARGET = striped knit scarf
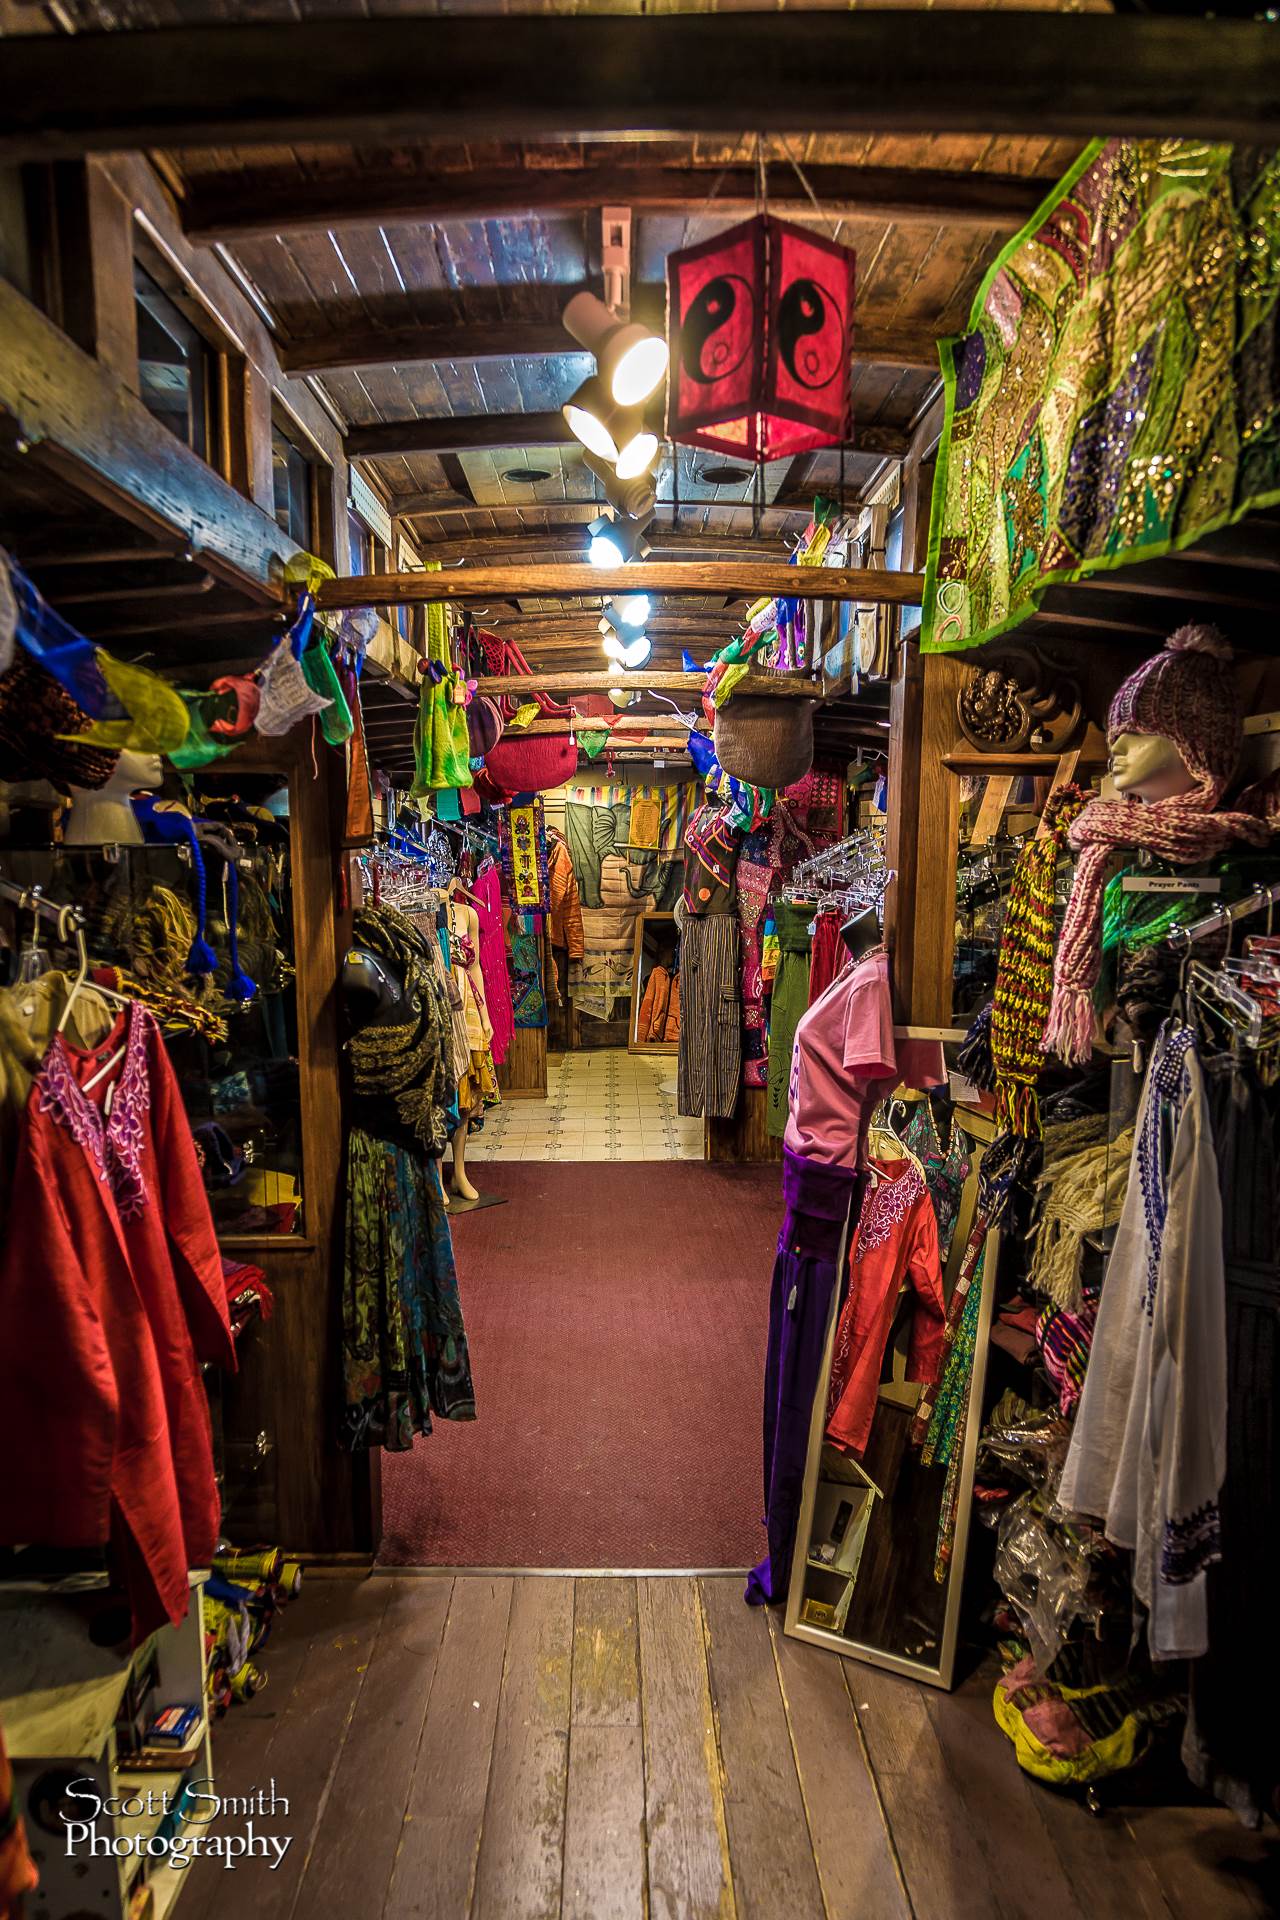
x: 1024, y: 974
x: 1184, y: 829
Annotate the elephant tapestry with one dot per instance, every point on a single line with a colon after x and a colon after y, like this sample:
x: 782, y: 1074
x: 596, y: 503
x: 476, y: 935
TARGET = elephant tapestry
x: 1115, y: 396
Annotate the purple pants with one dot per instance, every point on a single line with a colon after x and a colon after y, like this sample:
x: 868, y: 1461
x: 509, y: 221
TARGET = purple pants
x: 819, y: 1200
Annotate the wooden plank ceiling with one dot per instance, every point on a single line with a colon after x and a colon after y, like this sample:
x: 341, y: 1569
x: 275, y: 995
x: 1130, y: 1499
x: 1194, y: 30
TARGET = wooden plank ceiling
x: 419, y: 285
x: 405, y: 316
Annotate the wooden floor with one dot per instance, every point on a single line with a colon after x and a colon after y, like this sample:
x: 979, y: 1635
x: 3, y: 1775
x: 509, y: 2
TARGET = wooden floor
x: 609, y: 1749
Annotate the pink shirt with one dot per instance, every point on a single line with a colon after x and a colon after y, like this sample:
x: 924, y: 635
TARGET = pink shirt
x: 845, y: 1059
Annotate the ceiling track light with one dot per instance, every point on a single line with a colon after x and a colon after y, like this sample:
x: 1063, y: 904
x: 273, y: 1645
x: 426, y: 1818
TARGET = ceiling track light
x: 616, y: 435
x: 632, y: 361
x: 638, y: 497
x: 613, y: 543
x: 629, y: 654
x: 626, y: 616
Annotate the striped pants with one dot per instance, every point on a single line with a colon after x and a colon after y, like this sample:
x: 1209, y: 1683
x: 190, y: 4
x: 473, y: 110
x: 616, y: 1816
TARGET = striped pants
x: 710, y: 1068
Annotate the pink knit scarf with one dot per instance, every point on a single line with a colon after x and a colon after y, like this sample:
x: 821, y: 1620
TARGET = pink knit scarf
x: 1183, y: 829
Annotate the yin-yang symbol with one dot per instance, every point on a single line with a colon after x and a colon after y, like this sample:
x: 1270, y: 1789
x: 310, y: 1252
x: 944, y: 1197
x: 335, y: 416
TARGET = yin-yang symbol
x: 810, y: 336
x: 718, y: 326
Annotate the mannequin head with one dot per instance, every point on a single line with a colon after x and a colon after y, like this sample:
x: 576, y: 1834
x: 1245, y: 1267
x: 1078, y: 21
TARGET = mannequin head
x: 861, y: 931
x: 1174, y: 726
x: 134, y: 770
x: 102, y: 816
x: 1149, y: 767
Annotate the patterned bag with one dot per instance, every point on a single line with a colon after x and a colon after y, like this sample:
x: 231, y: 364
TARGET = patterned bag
x: 527, y: 763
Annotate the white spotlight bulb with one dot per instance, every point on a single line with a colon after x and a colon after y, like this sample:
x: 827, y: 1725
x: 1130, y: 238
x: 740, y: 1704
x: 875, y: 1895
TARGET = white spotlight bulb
x: 633, y: 609
x: 605, y: 551
x: 629, y: 653
x: 636, y: 457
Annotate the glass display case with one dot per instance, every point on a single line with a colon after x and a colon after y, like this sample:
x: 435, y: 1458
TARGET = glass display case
x: 232, y: 1030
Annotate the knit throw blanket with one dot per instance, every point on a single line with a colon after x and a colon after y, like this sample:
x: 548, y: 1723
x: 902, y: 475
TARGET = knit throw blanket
x: 1184, y: 829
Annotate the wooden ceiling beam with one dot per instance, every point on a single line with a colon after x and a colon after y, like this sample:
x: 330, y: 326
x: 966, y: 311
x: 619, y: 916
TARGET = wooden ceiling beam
x: 468, y: 433
x: 357, y: 343
x: 83, y: 430
x: 670, y: 646
x: 522, y: 543
x: 738, y: 579
x: 576, y: 513
x: 484, y: 432
x: 217, y: 207
x: 784, y: 685
x: 457, y: 77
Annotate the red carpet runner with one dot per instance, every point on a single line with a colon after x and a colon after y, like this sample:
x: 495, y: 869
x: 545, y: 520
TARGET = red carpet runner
x: 617, y: 1317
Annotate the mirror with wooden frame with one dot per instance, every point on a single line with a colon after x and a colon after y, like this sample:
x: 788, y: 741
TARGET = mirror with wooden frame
x: 884, y: 1525
x: 655, y: 990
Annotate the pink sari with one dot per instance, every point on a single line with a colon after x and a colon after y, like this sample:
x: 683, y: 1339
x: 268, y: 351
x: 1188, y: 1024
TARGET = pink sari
x: 493, y: 961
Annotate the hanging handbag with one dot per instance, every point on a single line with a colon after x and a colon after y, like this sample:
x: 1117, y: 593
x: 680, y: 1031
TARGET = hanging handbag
x: 519, y: 762
x: 441, y: 744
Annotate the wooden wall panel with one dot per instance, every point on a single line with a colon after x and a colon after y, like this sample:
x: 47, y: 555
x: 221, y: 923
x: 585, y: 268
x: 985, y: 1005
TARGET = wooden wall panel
x: 523, y: 1074
x: 744, y: 1139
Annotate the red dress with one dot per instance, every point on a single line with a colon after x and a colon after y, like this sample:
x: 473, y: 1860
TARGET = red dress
x: 111, y: 1293
x: 897, y: 1240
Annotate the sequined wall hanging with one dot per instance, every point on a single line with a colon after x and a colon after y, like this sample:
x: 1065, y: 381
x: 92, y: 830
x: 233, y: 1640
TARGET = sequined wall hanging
x: 1115, y: 397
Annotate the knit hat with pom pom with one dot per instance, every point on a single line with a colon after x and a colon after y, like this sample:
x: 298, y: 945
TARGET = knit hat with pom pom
x: 1187, y: 694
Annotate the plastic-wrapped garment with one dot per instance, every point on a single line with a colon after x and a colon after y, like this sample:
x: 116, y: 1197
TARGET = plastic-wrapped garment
x: 1046, y: 1581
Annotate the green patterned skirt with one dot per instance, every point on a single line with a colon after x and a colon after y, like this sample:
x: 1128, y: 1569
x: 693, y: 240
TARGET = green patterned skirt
x: 404, y: 1346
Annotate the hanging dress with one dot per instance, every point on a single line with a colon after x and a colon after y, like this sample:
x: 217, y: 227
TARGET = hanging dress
x: 896, y: 1241
x: 479, y: 1086
x: 404, y: 1344
x: 111, y: 1296
x: 487, y: 888
x: 790, y: 999
x: 1149, y: 1445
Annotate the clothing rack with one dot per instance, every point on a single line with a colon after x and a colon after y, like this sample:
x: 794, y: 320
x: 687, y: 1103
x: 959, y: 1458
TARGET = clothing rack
x: 1225, y: 916
x: 33, y: 901
x: 852, y: 873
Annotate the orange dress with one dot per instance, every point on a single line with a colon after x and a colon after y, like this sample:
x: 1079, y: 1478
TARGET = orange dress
x: 896, y: 1242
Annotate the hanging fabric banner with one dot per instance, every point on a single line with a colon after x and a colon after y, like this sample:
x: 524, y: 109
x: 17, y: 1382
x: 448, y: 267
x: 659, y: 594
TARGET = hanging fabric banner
x: 528, y: 1001
x: 1115, y: 397
x: 524, y: 855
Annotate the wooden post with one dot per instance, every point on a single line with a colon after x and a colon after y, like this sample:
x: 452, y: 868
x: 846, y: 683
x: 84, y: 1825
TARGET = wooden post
x: 256, y: 478
x: 922, y: 841
x: 922, y: 845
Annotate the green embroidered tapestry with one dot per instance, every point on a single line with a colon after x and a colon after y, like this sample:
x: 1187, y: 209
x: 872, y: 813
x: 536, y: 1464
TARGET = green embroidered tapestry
x: 1116, y: 394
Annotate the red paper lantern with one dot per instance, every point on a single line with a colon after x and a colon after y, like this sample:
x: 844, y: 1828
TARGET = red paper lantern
x: 760, y: 327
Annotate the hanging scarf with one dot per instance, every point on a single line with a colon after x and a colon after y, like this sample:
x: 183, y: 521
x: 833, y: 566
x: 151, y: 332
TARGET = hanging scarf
x: 405, y: 1060
x: 1024, y: 974
x: 1184, y: 829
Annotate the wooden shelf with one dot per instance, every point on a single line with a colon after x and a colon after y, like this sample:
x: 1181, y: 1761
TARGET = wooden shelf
x: 1035, y: 763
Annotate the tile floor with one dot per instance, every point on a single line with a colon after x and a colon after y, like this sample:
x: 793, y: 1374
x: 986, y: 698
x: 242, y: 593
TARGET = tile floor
x: 602, y: 1104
